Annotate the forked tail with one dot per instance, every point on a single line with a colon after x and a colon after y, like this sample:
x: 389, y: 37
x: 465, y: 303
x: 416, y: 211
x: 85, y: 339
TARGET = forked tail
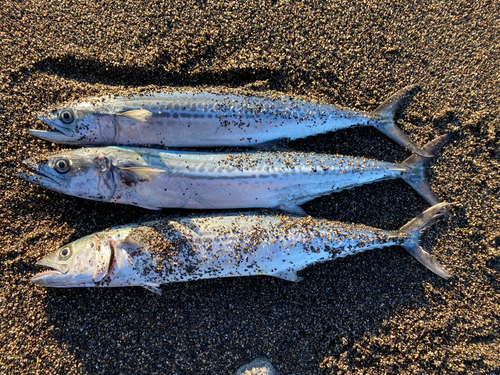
x: 414, y: 229
x: 417, y: 163
x: 386, y: 112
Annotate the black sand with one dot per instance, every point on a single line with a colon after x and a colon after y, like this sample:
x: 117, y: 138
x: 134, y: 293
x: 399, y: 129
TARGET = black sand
x: 378, y: 312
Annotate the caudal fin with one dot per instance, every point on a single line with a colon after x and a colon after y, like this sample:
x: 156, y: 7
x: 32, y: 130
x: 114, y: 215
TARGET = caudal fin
x: 414, y: 229
x: 417, y: 164
x: 386, y: 112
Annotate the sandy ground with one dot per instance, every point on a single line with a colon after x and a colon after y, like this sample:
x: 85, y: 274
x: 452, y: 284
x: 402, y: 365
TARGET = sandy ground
x: 378, y: 312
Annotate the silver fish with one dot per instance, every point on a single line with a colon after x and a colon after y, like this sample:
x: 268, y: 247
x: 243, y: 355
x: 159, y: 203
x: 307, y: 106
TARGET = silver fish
x: 153, y: 179
x: 193, y: 248
x: 259, y: 366
x: 210, y: 120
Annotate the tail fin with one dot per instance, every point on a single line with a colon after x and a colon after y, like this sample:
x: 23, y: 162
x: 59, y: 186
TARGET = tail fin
x: 417, y: 164
x: 415, y: 228
x: 386, y: 112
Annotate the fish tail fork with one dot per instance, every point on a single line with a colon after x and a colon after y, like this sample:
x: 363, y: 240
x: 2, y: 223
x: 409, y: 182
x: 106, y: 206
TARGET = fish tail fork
x: 417, y: 163
x: 386, y: 112
x: 414, y: 229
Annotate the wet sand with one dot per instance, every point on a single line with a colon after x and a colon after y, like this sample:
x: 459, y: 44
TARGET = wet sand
x: 378, y: 312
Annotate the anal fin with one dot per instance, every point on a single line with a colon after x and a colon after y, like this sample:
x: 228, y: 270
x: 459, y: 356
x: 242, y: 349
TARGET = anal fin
x: 287, y: 275
x: 150, y: 207
x: 292, y: 208
x: 152, y: 288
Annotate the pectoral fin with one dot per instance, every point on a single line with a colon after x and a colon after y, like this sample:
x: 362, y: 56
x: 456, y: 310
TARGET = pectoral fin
x: 140, y: 115
x: 133, y: 175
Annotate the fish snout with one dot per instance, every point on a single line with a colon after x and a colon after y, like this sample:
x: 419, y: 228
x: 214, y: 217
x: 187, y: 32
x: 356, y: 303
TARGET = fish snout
x: 47, y: 277
x: 33, y: 167
x: 56, y: 136
x: 51, y: 273
x: 35, y: 173
x: 60, y: 133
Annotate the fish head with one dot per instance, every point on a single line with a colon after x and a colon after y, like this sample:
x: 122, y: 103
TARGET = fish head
x: 82, y: 263
x: 85, y: 173
x: 88, y: 123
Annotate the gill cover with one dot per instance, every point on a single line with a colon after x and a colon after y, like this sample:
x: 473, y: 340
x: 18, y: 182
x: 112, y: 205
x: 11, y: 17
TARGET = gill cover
x: 103, y: 258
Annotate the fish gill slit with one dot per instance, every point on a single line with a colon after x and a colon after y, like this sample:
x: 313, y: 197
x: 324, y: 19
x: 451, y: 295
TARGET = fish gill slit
x: 112, y: 258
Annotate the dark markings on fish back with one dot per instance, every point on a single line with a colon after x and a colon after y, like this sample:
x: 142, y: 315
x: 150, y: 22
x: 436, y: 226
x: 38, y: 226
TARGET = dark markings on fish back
x: 189, y: 249
x: 235, y: 107
x: 167, y: 246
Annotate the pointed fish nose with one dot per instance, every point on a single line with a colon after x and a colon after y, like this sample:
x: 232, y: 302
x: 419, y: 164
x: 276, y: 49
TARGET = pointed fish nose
x: 65, y: 131
x: 43, y: 117
x: 32, y: 164
x: 33, y: 169
x: 46, y: 116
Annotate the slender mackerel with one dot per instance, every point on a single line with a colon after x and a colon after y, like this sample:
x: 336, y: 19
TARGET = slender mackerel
x: 170, y: 120
x: 154, y: 179
x: 204, y: 247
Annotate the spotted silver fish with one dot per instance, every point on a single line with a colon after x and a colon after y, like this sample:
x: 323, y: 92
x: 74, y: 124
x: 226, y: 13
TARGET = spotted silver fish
x: 259, y: 366
x: 204, y: 247
x: 210, y: 120
x: 153, y: 179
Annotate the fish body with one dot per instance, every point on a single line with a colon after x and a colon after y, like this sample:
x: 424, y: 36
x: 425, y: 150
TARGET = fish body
x: 259, y: 366
x: 186, y: 119
x: 229, y: 245
x: 155, y: 179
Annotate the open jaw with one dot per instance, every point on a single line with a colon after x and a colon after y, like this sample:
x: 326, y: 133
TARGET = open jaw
x: 47, y: 277
x: 79, y: 272
x: 36, y: 176
x: 52, y: 136
x: 58, y: 134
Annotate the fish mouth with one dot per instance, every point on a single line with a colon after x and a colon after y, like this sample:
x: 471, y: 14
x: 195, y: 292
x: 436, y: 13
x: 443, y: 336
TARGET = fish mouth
x: 59, y: 134
x: 35, y: 174
x: 50, y: 276
x: 52, y: 136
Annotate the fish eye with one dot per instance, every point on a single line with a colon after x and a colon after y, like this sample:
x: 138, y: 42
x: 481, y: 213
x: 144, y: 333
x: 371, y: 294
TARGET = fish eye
x: 66, y: 116
x: 64, y: 253
x: 62, y: 165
